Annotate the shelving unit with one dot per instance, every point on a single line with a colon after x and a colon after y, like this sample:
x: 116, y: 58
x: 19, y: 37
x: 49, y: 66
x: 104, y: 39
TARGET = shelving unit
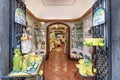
x: 40, y: 38
x: 73, y: 38
x: 77, y: 40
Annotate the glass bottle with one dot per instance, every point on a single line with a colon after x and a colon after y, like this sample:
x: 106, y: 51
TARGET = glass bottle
x: 17, y: 61
x: 24, y: 65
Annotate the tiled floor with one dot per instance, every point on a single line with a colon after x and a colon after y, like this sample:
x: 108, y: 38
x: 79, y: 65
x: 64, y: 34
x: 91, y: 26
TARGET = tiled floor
x: 58, y: 67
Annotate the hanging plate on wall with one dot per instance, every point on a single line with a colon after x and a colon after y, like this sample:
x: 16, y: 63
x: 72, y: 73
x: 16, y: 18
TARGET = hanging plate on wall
x: 99, y: 17
x: 20, y: 16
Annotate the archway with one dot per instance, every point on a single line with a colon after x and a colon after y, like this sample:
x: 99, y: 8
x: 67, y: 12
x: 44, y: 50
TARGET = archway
x: 67, y: 36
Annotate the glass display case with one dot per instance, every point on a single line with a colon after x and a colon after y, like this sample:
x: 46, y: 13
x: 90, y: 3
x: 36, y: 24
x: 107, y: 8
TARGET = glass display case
x: 73, y: 38
x: 39, y: 38
x: 42, y: 38
x: 77, y: 41
x: 77, y: 37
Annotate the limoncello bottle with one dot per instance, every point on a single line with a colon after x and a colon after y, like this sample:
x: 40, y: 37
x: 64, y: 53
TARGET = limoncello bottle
x: 24, y: 65
x: 17, y: 61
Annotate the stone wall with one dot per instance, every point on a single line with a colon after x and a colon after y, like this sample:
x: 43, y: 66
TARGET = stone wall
x: 115, y: 23
x: 4, y: 37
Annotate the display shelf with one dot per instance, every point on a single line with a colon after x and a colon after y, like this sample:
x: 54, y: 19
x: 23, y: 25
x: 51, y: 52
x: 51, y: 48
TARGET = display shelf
x: 25, y: 74
x: 19, y: 75
x: 40, y: 38
x: 77, y: 41
x: 77, y: 37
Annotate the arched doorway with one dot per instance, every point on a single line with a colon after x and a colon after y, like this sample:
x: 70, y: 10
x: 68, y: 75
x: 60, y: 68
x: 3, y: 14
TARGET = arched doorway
x: 58, y: 28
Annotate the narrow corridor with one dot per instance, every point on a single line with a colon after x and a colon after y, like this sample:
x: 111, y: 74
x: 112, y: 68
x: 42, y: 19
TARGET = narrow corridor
x: 58, y: 67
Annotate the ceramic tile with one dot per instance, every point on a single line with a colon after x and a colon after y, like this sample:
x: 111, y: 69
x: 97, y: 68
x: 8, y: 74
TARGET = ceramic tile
x: 58, y: 67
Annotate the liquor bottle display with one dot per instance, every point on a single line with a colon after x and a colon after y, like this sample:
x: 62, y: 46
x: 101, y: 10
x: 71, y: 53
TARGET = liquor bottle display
x: 17, y: 61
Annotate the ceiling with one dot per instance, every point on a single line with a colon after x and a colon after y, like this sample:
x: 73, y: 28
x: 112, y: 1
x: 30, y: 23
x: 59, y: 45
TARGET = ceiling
x: 58, y: 2
x: 58, y: 9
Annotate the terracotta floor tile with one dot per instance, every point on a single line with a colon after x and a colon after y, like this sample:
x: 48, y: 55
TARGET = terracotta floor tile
x: 58, y: 67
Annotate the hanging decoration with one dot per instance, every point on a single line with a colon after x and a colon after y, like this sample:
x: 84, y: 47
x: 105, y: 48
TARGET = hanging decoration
x: 20, y: 16
x: 99, y: 17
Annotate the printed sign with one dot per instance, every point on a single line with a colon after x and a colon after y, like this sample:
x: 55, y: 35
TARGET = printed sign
x: 20, y: 16
x: 99, y: 17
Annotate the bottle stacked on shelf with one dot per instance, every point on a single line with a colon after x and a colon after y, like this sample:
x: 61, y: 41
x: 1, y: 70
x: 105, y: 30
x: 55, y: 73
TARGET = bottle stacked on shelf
x: 17, y: 61
x: 27, y: 63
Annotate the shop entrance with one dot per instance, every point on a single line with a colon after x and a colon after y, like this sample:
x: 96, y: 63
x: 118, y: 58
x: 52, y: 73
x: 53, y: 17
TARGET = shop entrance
x: 58, y: 35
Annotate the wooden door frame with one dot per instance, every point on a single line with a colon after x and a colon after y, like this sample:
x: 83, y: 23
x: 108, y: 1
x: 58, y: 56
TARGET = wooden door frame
x: 47, y: 39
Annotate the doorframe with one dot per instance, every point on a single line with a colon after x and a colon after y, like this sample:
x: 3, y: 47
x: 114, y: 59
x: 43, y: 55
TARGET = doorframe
x: 47, y: 40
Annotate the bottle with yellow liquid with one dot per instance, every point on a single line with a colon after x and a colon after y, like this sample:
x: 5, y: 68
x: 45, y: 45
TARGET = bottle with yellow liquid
x: 17, y: 61
x: 24, y: 65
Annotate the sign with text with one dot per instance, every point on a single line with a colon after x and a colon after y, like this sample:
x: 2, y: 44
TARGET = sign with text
x: 20, y: 16
x: 99, y: 17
